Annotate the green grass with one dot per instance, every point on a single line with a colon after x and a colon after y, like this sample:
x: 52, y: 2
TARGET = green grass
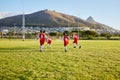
x: 96, y: 60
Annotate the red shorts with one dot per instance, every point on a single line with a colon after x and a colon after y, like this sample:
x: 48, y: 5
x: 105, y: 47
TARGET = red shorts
x: 75, y: 41
x: 42, y: 42
x: 49, y: 42
x: 66, y: 43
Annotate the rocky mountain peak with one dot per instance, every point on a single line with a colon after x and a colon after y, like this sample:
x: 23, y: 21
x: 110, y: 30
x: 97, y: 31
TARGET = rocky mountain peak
x: 90, y: 19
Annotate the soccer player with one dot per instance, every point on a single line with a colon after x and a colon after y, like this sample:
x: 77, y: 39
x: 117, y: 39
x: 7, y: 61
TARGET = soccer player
x: 75, y: 42
x: 49, y: 41
x: 42, y: 38
x: 66, y: 41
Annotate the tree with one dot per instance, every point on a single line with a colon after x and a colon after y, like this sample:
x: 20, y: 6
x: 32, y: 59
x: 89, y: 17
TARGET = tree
x: 107, y: 35
x: 53, y: 33
x: 89, y: 33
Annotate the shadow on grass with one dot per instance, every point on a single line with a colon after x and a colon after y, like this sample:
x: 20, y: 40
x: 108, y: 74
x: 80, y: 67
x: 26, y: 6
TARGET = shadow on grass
x: 18, y: 49
x: 46, y: 50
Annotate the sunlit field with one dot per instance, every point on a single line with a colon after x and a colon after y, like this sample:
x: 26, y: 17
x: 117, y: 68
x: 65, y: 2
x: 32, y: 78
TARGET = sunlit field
x: 96, y: 60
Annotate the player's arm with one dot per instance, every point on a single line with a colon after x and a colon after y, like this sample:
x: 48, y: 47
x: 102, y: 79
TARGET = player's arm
x: 63, y: 38
x: 68, y: 37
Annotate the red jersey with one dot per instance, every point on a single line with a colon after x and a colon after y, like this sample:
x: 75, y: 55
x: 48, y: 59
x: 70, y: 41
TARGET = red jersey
x: 49, y: 40
x: 42, y: 38
x: 75, y: 37
x: 66, y: 40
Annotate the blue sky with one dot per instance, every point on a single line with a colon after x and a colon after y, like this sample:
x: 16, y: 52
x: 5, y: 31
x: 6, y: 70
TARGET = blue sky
x: 103, y: 11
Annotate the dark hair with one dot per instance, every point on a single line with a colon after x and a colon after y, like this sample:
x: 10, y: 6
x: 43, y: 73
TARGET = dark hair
x: 40, y: 31
x: 43, y: 31
x: 64, y: 33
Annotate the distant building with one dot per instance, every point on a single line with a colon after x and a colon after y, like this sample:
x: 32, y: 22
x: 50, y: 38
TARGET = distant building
x: 84, y: 28
x: 5, y: 31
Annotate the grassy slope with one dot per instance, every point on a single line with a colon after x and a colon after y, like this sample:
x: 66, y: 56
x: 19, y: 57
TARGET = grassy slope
x: 96, y: 60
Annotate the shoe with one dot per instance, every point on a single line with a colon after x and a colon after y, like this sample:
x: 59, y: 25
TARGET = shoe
x: 79, y: 47
x: 74, y: 46
x: 40, y: 50
x: 65, y: 50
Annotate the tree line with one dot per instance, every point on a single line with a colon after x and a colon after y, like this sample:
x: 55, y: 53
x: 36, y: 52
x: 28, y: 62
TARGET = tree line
x: 88, y: 34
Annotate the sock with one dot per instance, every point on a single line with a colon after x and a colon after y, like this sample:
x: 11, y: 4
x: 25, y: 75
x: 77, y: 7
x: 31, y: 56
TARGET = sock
x: 41, y: 47
x: 65, y: 48
x: 74, y: 44
x: 49, y: 45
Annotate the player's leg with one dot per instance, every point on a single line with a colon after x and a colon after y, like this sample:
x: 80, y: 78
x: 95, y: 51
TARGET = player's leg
x: 78, y: 45
x: 74, y: 45
x: 41, y: 48
x: 65, y: 48
x: 50, y: 45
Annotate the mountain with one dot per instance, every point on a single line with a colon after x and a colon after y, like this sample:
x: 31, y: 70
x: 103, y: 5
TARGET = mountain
x: 44, y: 18
x: 92, y: 21
x: 48, y: 18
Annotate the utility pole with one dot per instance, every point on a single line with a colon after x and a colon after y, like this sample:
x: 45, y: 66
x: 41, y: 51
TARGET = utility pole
x: 14, y: 30
x: 23, y: 22
x: 78, y: 28
x: 68, y: 23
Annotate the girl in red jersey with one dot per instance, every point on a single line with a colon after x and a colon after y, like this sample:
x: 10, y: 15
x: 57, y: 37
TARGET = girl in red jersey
x: 42, y: 38
x: 49, y: 41
x: 75, y: 42
x: 66, y: 41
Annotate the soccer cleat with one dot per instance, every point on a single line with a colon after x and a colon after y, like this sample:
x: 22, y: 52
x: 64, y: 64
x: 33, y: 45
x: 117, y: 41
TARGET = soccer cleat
x: 74, y: 46
x: 65, y: 50
x: 79, y: 47
x: 40, y: 50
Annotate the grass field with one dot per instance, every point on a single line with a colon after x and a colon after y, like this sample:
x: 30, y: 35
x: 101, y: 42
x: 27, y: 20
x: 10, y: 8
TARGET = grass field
x: 96, y: 60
